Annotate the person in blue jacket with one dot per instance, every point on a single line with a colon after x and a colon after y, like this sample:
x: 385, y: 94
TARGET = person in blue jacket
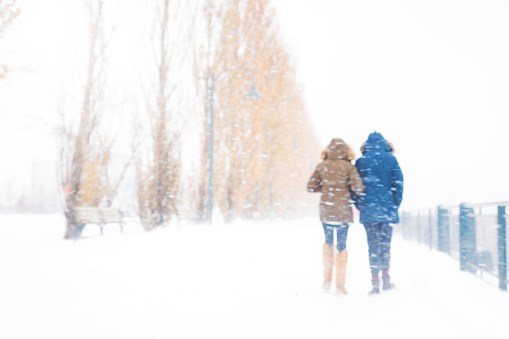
x: 378, y: 205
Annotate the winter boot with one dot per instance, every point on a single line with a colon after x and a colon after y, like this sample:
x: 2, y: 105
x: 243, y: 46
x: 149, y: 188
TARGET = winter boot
x: 386, y: 280
x: 341, y: 258
x: 376, y: 285
x: 327, y: 266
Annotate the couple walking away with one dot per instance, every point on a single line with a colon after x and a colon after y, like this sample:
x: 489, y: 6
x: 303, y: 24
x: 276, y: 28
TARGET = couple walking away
x: 375, y: 185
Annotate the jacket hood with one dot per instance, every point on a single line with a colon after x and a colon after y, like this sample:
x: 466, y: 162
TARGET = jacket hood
x: 337, y: 150
x: 376, y: 142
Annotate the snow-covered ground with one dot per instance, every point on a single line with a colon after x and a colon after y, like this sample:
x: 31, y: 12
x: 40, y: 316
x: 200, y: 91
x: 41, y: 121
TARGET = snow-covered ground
x: 243, y: 280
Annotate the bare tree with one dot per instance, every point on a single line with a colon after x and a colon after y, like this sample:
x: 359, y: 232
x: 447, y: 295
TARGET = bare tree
x: 9, y: 10
x: 159, y: 174
x: 83, y: 163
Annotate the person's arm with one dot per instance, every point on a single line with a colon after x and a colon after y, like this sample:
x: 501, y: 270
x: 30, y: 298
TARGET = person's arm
x: 315, y: 182
x: 356, y: 185
x: 358, y: 198
x: 397, y: 183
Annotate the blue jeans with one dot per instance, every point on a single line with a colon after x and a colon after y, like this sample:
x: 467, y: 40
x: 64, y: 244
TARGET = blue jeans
x: 379, y: 242
x: 341, y: 233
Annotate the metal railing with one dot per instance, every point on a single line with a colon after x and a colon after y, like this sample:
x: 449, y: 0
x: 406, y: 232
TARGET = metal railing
x: 475, y: 234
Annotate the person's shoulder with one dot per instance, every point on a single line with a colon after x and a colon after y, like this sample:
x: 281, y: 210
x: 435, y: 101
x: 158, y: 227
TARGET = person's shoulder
x: 389, y: 155
x: 392, y: 157
x: 391, y: 160
x: 321, y: 165
x: 347, y: 164
x: 351, y: 167
x: 360, y: 160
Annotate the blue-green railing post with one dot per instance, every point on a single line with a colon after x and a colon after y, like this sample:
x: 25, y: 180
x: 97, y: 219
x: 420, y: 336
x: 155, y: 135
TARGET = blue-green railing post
x: 405, y: 225
x: 430, y: 230
x: 419, y: 227
x: 408, y: 226
x: 467, y: 239
x: 463, y: 239
x: 502, y: 250
x: 444, y: 241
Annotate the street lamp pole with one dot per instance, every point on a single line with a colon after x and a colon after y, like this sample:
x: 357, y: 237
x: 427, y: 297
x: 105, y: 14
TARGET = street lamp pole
x: 252, y: 94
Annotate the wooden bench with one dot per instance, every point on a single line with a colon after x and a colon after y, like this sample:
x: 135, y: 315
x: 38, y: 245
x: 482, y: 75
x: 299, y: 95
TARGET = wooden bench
x: 99, y: 216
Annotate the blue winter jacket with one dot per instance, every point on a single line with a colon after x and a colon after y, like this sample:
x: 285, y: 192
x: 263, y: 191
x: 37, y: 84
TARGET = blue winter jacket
x: 383, y: 181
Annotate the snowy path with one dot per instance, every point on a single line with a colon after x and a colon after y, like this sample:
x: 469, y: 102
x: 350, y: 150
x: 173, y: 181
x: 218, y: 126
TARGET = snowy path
x: 227, y: 281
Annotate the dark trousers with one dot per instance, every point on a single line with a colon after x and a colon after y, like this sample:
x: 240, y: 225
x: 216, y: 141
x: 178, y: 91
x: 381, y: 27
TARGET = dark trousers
x: 341, y: 233
x: 379, y: 242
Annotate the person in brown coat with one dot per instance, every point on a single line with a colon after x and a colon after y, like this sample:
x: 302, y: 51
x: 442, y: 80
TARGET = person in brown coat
x: 335, y: 177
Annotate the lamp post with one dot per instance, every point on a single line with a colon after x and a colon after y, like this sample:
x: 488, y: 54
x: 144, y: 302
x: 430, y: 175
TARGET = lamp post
x: 252, y: 94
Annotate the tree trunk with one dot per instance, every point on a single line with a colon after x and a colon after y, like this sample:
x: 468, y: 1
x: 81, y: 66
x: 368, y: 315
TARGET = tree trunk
x: 72, y: 230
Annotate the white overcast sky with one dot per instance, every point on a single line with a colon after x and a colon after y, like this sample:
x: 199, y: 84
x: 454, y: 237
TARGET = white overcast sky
x: 431, y: 76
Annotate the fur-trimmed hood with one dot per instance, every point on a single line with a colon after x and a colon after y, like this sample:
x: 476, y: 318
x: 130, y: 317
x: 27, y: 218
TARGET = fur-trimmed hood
x: 338, y: 150
x: 377, y: 141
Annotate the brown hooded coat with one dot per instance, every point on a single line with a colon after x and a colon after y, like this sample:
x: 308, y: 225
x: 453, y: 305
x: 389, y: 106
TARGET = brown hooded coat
x: 335, y: 177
